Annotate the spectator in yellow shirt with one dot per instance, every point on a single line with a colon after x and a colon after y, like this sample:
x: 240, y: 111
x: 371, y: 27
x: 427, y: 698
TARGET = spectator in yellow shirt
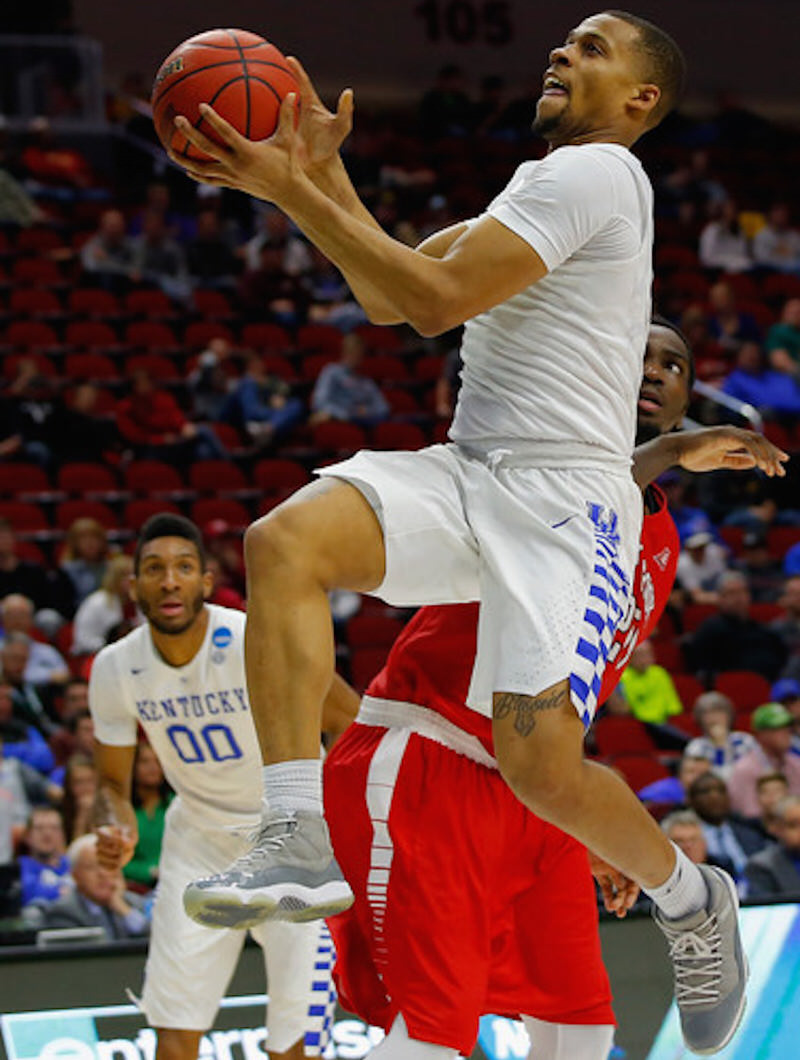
x: 648, y: 687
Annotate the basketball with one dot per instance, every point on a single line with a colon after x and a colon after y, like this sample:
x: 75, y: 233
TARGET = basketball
x: 241, y: 75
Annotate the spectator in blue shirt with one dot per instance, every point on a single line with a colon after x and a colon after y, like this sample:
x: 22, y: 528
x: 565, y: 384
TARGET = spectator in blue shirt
x: 261, y: 403
x: 343, y: 393
x: 773, y: 393
x: 44, y: 870
x: 21, y: 740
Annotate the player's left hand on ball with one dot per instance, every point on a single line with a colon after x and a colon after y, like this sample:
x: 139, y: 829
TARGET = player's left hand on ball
x: 263, y: 168
x: 619, y: 892
x: 732, y: 448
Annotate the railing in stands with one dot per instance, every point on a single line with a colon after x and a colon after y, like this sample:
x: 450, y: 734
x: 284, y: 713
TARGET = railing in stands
x: 741, y: 408
x: 52, y: 76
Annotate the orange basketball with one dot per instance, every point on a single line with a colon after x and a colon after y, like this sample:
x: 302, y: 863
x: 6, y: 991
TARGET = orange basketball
x: 241, y: 75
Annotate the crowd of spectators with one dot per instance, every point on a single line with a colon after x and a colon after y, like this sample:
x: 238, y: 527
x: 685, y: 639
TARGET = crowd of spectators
x: 188, y: 349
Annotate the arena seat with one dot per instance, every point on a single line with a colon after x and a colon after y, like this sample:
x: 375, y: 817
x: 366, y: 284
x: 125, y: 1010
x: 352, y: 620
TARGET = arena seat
x: 337, y: 436
x: 41, y: 271
x: 68, y: 511
x: 378, y: 337
x: 639, y: 770
x: 44, y: 365
x: 428, y: 368
x: 313, y: 363
x: 319, y: 338
x: 402, y: 402
x: 781, y: 538
x: 38, y: 238
x: 139, y: 510
x: 24, y: 516
x: 383, y: 367
x: 79, y: 367
x: 614, y: 735
x: 35, y: 301
x: 746, y: 689
x: 90, y: 333
x: 93, y: 301
x: 152, y: 334
x: 393, y: 435
x: 372, y: 630
x: 365, y: 664
x: 212, y: 303
x: 152, y: 477
x: 688, y: 688
x: 276, y: 364
x: 30, y: 333
x: 669, y: 655
x: 217, y: 476
x: 148, y: 303
x: 266, y: 336
x: 81, y: 478
x: 232, y: 512
x: 19, y: 477
x: 200, y: 332
x: 279, y: 476
x: 695, y: 614
x: 160, y: 368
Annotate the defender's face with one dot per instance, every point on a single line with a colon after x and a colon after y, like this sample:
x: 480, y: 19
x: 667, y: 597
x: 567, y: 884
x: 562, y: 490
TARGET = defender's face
x: 171, y: 585
x: 664, y: 393
x: 591, y: 78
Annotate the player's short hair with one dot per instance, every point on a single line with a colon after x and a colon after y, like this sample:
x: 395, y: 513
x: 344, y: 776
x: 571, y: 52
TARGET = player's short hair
x: 662, y: 322
x: 166, y: 524
x: 664, y: 64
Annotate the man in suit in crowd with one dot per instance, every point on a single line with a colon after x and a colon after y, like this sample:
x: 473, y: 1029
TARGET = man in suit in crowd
x: 729, y: 838
x: 775, y: 871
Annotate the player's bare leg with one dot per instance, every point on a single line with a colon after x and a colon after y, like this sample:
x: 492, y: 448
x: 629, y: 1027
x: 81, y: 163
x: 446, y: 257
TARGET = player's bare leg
x: 539, y: 748
x: 174, y: 1044
x: 325, y: 536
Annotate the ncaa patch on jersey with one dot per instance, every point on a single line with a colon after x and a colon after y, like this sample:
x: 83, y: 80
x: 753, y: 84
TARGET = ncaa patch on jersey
x: 221, y: 637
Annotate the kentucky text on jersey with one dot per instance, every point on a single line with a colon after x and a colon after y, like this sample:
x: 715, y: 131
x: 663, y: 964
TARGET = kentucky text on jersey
x: 222, y: 701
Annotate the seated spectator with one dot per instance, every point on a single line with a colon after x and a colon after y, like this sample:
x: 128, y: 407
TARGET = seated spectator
x: 98, y: 899
x: 700, y: 565
x: 209, y: 258
x: 685, y: 829
x: 21, y: 788
x: 675, y: 789
x: 32, y: 704
x: 764, y: 574
x: 109, y: 252
x: 274, y: 229
x: 723, y: 244
x: 80, y: 789
x: 152, y: 422
x: 777, y: 244
x: 46, y: 665
x: 20, y: 739
x: 28, y: 407
x: 342, y: 393
x: 649, y: 690
x: 773, y: 393
x: 261, y: 403
x: 77, y: 738
x: 209, y: 382
x: 104, y: 610
x: 783, y: 339
x: 787, y: 626
x: 688, y: 518
x: 158, y: 258
x: 151, y: 796
x: 731, y: 639
x: 771, y: 788
x: 331, y: 299
x: 720, y: 743
x: 85, y: 556
x: 269, y: 290
x: 44, y: 869
x: 446, y: 110
x: 772, y: 728
x: 83, y: 433
x: 47, y: 161
x: 729, y: 838
x: 21, y: 576
x: 775, y: 871
x: 727, y: 324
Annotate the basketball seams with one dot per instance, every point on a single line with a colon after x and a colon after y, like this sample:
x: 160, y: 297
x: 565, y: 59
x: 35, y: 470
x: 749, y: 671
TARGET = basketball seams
x: 247, y: 108
x: 213, y: 66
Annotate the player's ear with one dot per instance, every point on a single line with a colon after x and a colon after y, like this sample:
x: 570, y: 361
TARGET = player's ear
x: 208, y: 583
x: 644, y: 100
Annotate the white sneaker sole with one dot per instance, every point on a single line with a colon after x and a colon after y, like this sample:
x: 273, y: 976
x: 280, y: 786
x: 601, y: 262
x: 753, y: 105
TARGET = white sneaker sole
x: 726, y: 879
x: 232, y: 907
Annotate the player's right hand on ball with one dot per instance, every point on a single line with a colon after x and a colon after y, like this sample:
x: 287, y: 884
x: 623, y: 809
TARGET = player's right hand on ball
x: 115, y: 846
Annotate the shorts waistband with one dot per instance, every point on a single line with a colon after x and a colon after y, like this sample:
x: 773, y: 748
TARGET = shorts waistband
x: 396, y: 714
x: 547, y: 454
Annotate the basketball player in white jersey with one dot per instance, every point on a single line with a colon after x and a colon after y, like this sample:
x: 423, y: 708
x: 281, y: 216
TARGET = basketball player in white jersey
x: 181, y: 677
x: 531, y: 509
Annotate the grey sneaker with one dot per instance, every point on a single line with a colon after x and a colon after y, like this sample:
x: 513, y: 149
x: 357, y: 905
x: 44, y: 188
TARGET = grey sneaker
x: 709, y: 965
x: 290, y: 874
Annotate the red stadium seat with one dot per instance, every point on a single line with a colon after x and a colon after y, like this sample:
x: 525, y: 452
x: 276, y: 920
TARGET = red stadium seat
x: 384, y: 367
x: 30, y: 333
x: 746, y: 689
x: 212, y: 303
x: 675, y: 256
x: 401, y: 402
x: 44, y: 365
x: 22, y: 478
x: 275, y: 364
x: 35, y: 301
x: 640, y: 769
x: 82, y: 366
x: 319, y: 338
x: 732, y: 536
x: 688, y: 688
x: 152, y: 476
x: 232, y: 512
x: 695, y: 614
x: 23, y: 516
x: 669, y: 655
x: 228, y: 435
x: 313, y: 363
x: 216, y: 476
x: 686, y: 723
x: 148, y: 303
x: 279, y: 476
x: 428, y: 368
x: 335, y: 436
x: 378, y: 337
x: 780, y: 286
x: 68, y: 511
x: 781, y: 538
x: 614, y: 735
x: 158, y: 367
x: 90, y: 333
x: 765, y: 613
x: 41, y: 271
x: 138, y: 511
x: 82, y: 478
x: 39, y: 238
x: 152, y: 334
x: 93, y: 301
x: 201, y: 332
x: 391, y: 435
x: 266, y: 337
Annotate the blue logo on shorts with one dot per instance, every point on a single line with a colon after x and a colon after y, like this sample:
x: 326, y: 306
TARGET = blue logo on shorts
x: 221, y: 637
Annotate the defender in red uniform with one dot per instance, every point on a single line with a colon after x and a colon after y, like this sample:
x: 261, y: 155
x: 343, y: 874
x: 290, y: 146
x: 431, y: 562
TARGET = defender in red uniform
x: 466, y: 903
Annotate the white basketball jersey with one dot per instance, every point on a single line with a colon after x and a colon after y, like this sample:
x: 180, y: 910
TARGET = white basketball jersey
x: 196, y: 717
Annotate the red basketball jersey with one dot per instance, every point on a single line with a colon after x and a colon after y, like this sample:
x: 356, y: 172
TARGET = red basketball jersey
x: 431, y: 661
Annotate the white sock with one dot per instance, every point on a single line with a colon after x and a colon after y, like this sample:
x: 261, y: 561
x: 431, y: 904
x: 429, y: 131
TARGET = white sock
x: 683, y: 892
x: 293, y: 786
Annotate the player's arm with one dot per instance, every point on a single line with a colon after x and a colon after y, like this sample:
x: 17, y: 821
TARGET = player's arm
x: 339, y: 708
x: 709, y: 449
x: 113, y: 817
x: 485, y: 265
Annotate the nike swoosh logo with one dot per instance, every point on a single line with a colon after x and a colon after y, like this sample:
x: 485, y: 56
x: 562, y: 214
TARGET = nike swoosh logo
x: 555, y: 526
x: 139, y: 671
